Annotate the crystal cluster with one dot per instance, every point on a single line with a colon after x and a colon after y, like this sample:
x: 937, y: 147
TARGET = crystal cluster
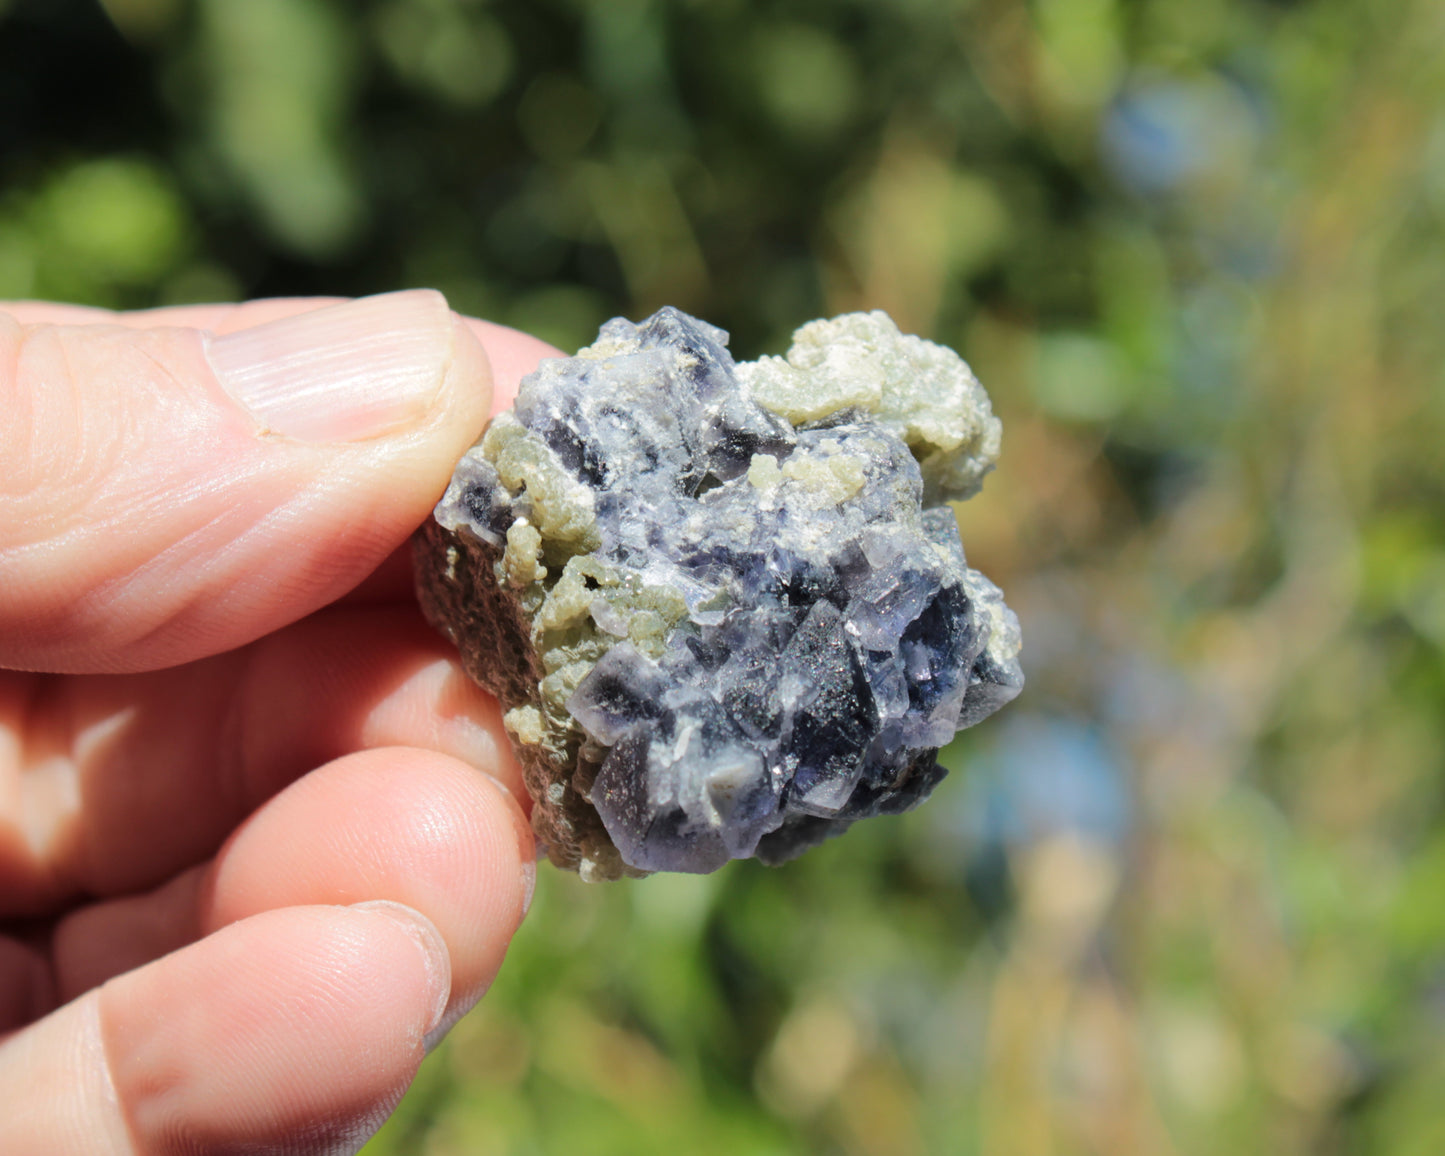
x: 709, y: 594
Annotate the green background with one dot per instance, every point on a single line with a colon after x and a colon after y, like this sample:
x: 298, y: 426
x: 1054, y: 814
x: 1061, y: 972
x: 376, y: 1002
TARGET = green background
x: 1187, y: 895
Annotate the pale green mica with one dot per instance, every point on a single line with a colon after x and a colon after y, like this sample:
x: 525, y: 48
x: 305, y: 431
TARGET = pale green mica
x: 922, y: 392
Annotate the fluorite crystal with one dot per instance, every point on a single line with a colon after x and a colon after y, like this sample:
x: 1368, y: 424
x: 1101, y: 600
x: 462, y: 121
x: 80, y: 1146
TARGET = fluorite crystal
x: 709, y: 595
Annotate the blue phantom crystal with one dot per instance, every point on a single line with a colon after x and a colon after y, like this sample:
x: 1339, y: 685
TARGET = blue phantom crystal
x: 709, y: 594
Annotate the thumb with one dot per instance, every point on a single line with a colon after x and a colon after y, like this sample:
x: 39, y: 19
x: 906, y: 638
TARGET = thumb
x: 167, y: 493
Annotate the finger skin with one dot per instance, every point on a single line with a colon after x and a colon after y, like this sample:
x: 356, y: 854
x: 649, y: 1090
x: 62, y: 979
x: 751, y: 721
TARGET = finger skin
x: 392, y: 582
x: 267, y: 1020
x: 147, y: 519
x: 26, y: 989
x: 513, y: 354
x: 59, y: 1099
x: 226, y: 317
x: 108, y: 938
x: 111, y: 785
x: 296, y: 1030
x: 408, y: 826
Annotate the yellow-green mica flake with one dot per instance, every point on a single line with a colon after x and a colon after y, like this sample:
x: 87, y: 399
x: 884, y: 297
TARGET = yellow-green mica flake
x: 588, y: 609
x: 570, y: 600
x: 562, y: 508
x: 521, y: 562
x: 826, y: 479
x: 925, y: 393
x: 525, y: 724
x: 763, y: 472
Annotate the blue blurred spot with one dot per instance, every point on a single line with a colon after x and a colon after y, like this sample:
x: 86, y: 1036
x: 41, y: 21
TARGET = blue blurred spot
x: 1147, y: 139
x: 1047, y: 776
x: 1161, y: 135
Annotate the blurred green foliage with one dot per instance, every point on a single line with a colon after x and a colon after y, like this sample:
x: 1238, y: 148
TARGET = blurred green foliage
x: 1188, y: 894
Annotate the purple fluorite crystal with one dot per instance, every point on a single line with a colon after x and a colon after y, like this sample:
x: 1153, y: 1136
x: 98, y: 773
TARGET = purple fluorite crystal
x: 709, y: 595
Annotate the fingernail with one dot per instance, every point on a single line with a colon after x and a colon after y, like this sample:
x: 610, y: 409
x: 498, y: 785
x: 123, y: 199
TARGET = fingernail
x: 343, y: 373
x: 526, y: 843
x: 433, y: 948
x: 529, y: 884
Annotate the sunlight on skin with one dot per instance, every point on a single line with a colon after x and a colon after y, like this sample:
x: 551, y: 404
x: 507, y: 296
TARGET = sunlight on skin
x: 201, y: 834
x: 50, y: 803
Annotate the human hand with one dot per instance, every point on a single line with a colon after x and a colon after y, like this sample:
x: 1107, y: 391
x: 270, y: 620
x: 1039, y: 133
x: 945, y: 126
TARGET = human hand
x: 249, y: 863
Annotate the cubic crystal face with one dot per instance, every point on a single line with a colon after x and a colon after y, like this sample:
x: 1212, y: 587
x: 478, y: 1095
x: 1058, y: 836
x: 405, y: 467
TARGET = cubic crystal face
x: 709, y: 595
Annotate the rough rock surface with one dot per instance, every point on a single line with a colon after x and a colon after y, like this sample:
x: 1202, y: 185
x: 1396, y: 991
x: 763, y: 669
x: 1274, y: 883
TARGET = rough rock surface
x: 709, y: 595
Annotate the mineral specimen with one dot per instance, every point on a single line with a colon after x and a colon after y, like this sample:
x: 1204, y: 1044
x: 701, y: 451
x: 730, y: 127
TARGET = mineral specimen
x: 709, y: 595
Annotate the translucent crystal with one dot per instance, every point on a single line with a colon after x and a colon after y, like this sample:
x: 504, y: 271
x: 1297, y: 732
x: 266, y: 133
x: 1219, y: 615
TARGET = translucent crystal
x: 709, y: 595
